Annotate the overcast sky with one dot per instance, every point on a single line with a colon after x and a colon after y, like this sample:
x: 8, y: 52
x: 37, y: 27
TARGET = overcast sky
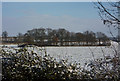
x: 73, y: 16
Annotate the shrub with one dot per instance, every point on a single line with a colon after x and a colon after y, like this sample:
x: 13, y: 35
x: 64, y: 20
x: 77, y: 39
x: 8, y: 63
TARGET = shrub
x: 107, y: 69
x: 25, y: 64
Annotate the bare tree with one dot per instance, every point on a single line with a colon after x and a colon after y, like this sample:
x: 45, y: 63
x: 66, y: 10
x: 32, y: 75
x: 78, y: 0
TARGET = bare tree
x: 109, y: 12
x: 110, y: 15
x: 5, y: 35
x: 20, y: 38
x: 62, y: 33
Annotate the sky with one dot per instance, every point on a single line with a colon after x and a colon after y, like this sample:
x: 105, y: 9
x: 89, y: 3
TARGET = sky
x: 58, y: 0
x: 18, y: 17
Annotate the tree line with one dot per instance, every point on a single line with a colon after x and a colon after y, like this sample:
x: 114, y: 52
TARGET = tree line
x: 61, y: 37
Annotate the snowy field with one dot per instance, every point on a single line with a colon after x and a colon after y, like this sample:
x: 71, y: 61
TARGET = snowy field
x: 79, y: 54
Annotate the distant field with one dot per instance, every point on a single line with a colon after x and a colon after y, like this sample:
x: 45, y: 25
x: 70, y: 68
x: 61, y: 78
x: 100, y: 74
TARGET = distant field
x: 78, y: 54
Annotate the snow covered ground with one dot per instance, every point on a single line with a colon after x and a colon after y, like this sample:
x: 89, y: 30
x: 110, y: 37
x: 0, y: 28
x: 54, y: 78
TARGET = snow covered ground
x: 79, y: 54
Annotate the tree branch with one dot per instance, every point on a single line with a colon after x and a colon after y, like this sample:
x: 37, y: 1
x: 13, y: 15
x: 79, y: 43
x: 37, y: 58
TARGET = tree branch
x: 108, y: 12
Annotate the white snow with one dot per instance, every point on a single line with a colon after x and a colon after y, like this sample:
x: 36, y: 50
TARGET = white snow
x: 79, y: 54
